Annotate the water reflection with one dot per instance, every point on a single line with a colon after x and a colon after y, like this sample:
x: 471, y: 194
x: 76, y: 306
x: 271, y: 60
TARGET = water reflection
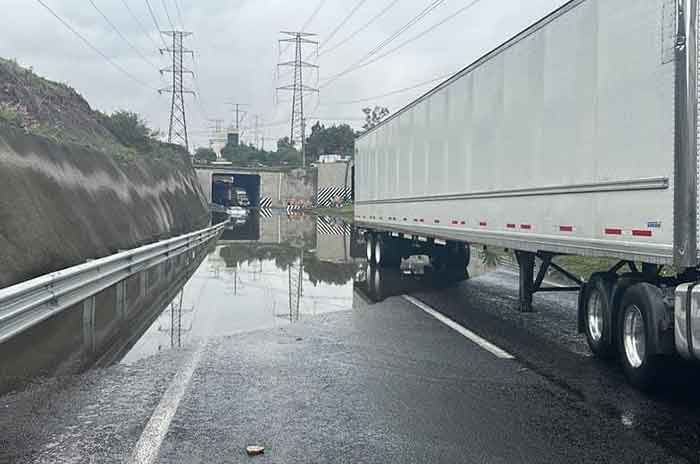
x: 377, y: 285
x: 269, y: 270
x: 297, y: 266
x: 176, y: 328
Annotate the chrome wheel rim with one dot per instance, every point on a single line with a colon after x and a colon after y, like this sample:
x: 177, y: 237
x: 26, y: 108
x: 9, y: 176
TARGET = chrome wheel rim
x: 369, y: 249
x: 595, y: 315
x: 377, y: 284
x: 378, y: 251
x: 634, y: 336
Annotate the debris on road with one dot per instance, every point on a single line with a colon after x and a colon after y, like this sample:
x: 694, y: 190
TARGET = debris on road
x: 254, y: 450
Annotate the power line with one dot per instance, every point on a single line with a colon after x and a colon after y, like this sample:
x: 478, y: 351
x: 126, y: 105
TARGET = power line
x: 199, y: 96
x: 425, y: 12
x: 155, y: 22
x: 434, y: 4
x: 195, y: 76
x: 140, y: 24
x: 179, y: 12
x: 401, y: 45
x: 239, y: 114
x: 384, y: 43
x: 167, y: 15
x: 92, y: 47
x: 116, y: 29
x: 361, y: 28
x: 307, y: 22
x: 393, y: 92
x: 345, y: 20
x: 313, y: 15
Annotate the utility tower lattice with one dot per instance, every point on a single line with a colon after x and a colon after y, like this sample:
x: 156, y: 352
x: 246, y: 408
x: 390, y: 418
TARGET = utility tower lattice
x: 298, y: 129
x: 177, y: 132
x: 296, y: 286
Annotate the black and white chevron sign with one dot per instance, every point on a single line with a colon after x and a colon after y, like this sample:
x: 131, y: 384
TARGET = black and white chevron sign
x: 326, y: 196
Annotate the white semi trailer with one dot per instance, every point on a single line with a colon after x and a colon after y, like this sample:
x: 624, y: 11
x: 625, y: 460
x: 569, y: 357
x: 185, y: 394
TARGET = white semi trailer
x: 579, y: 136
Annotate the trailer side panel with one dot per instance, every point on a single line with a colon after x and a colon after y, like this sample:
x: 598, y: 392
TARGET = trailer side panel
x: 561, y: 140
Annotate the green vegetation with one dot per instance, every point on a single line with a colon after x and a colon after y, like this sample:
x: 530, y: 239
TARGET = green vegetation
x: 330, y: 140
x: 285, y: 256
x: 204, y: 155
x: 57, y: 112
x: 579, y: 266
x: 128, y: 128
x: 582, y: 266
x: 323, y: 140
x: 374, y: 116
x: 10, y: 114
x: 346, y: 212
x: 248, y: 155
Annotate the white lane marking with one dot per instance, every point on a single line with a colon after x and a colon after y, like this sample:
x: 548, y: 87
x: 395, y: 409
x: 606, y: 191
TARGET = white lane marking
x: 148, y: 446
x: 485, y: 344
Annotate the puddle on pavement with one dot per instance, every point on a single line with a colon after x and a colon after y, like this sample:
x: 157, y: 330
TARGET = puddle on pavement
x: 270, y: 270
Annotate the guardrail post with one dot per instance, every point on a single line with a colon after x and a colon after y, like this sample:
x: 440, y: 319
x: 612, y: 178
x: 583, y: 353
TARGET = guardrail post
x: 89, y: 324
x: 143, y: 281
x: 121, y: 299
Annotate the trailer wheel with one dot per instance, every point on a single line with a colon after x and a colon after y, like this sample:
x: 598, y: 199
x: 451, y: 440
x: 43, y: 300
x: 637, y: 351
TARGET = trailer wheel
x: 598, y: 315
x: 642, y: 367
x: 369, y: 238
x: 379, y: 250
x: 387, y: 252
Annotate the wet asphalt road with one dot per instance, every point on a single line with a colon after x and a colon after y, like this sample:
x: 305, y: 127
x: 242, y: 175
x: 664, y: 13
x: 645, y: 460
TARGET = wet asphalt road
x: 348, y: 380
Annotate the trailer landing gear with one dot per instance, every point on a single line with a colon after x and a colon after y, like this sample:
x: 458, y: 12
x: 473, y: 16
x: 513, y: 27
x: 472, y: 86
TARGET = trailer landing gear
x: 529, y: 284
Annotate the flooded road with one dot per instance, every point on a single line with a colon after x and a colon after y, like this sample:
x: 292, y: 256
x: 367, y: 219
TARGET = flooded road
x: 284, y: 337
x: 303, y: 269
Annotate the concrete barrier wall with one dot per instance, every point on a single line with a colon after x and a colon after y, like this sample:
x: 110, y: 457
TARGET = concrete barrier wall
x: 334, y: 181
x: 61, y: 205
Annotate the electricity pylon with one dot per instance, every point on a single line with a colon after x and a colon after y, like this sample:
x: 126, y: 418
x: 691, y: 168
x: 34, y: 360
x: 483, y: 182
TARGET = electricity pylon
x: 177, y: 132
x: 297, y: 87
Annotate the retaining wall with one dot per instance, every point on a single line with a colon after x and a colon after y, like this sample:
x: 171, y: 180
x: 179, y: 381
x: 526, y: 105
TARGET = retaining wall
x: 61, y: 205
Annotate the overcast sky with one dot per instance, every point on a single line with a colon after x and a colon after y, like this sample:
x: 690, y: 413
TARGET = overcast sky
x: 236, y: 48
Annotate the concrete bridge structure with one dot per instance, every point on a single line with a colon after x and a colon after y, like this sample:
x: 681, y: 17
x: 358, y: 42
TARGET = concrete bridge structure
x: 266, y: 187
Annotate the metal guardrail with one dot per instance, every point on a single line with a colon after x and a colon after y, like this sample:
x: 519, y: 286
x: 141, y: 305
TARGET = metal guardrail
x: 26, y: 304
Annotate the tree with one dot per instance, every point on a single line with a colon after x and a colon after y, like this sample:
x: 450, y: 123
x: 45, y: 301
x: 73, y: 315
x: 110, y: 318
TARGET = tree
x: 128, y: 128
x: 206, y: 155
x: 330, y: 140
x: 242, y: 154
x: 287, y: 153
x: 374, y: 116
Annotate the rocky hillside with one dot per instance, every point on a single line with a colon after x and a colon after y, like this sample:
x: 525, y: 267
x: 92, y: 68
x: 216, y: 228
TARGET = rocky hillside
x: 57, y: 112
x: 76, y: 184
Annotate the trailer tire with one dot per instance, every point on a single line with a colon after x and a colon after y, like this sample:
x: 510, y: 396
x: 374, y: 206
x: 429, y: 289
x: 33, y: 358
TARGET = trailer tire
x: 597, y: 313
x: 641, y: 364
x: 369, y: 238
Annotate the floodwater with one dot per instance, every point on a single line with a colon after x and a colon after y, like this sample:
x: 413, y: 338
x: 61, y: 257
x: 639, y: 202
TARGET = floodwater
x: 270, y: 270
